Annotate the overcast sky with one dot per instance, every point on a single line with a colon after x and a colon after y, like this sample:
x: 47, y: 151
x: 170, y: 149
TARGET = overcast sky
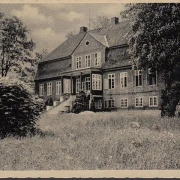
x: 49, y: 23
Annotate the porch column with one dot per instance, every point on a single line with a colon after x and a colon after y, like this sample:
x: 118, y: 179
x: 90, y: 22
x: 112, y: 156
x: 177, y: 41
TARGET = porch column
x: 62, y: 85
x: 81, y: 81
x: 71, y: 85
x: 91, y: 81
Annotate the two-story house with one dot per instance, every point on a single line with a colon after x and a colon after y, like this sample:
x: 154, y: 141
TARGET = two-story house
x: 97, y: 61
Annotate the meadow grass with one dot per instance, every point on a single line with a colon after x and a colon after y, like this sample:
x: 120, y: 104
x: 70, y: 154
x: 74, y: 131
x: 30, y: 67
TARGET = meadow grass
x: 103, y: 140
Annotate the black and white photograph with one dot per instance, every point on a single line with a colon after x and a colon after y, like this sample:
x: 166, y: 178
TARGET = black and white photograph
x: 89, y: 86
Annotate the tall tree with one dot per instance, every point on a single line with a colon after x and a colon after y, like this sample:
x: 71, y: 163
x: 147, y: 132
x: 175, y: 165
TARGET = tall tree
x: 15, y: 47
x: 154, y: 42
x: 99, y: 22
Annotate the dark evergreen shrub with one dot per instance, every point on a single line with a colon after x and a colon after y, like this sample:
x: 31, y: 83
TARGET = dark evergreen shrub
x: 19, y: 111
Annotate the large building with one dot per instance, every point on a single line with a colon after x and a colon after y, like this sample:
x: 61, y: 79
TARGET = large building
x: 97, y: 61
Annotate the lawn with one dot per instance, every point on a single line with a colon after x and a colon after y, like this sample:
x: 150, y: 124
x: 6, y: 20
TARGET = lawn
x: 103, y: 140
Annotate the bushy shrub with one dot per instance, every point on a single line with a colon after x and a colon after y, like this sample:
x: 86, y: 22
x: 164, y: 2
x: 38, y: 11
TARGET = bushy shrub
x: 19, y: 109
x: 170, y: 98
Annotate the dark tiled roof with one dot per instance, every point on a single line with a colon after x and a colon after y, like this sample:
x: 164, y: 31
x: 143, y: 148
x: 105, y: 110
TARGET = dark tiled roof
x: 65, y: 49
x: 115, y: 35
x: 118, y: 63
x: 52, y: 69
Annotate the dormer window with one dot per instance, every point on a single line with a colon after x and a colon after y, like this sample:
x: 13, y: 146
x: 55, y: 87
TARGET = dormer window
x: 87, y: 43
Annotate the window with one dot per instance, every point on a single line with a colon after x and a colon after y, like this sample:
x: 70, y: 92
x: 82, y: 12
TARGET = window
x: 111, y: 103
x: 97, y: 59
x: 78, y: 62
x: 87, y: 43
x: 153, y: 101
x: 123, y: 79
x: 138, y: 76
x: 105, y: 104
x: 111, y: 79
x: 58, y: 87
x: 151, y: 77
x: 87, y: 83
x: 41, y: 89
x: 49, y: 89
x: 98, y: 104
x: 78, y: 85
x: 139, y: 102
x: 88, y: 60
x: 124, y: 103
x: 96, y: 82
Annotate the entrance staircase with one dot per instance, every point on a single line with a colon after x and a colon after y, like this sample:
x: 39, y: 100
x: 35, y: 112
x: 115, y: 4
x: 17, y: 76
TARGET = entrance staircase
x: 65, y: 106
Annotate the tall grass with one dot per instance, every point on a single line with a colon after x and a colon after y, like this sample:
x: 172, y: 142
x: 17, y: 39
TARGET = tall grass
x: 96, y: 141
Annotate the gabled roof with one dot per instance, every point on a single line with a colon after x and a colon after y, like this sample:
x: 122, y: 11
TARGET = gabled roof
x: 65, y: 49
x: 100, y: 38
x: 115, y: 34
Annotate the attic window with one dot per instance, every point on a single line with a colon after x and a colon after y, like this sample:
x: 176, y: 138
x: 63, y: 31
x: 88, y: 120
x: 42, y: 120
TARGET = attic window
x: 87, y: 43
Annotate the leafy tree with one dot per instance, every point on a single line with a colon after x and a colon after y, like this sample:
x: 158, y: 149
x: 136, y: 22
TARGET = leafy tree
x: 15, y: 47
x: 99, y: 22
x: 154, y: 42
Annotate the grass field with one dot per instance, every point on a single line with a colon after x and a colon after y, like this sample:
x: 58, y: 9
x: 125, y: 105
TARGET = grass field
x: 90, y: 141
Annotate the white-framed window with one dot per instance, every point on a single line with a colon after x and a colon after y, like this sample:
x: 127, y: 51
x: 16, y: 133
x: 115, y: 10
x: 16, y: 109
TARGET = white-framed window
x: 78, y: 85
x: 78, y: 62
x: 49, y: 88
x: 139, y: 102
x: 98, y: 104
x: 123, y: 79
x: 58, y: 87
x: 105, y: 103
x: 41, y: 89
x: 88, y: 60
x: 138, y: 77
x: 96, y: 82
x: 97, y: 59
x: 111, y: 103
x: 153, y: 101
x: 151, y: 78
x: 87, y: 83
x: 111, y: 81
x: 124, y: 102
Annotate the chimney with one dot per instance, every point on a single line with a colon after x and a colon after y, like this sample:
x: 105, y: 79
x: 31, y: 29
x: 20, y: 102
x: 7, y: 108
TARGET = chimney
x: 83, y: 30
x: 114, y: 20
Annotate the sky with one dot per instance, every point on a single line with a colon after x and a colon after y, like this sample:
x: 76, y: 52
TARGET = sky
x: 49, y: 23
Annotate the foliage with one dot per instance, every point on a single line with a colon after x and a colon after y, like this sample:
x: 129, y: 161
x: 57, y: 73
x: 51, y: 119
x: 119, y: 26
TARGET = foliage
x: 154, y: 41
x: 70, y: 34
x: 15, y: 47
x: 99, y: 22
x: 19, y: 109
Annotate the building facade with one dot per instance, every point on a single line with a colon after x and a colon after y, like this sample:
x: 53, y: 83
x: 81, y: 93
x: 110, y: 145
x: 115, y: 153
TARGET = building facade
x: 97, y: 62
